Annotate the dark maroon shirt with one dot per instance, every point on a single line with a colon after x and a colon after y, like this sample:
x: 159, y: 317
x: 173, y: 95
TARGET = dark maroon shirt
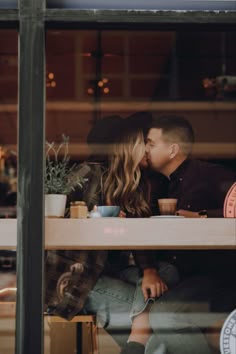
x: 198, y: 185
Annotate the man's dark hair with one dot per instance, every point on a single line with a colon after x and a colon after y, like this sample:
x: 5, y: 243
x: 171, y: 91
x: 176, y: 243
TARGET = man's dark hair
x: 175, y: 129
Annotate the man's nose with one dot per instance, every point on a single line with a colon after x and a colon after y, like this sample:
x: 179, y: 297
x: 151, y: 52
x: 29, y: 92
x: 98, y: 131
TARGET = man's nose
x: 146, y: 148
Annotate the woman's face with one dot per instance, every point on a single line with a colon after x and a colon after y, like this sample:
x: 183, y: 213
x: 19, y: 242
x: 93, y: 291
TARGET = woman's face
x: 140, y: 151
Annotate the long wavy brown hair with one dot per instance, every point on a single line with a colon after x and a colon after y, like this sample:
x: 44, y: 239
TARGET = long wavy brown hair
x: 124, y: 183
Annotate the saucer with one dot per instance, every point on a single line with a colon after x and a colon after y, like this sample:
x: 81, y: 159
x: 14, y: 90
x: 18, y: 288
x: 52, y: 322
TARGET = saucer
x: 167, y: 216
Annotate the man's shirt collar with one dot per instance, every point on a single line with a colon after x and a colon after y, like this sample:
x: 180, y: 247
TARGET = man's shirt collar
x: 179, y: 172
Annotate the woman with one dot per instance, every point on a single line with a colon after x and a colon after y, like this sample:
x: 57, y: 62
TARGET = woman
x: 106, y: 282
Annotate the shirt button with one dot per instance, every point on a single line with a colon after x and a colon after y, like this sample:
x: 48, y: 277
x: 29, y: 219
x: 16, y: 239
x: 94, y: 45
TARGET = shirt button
x: 189, y: 206
x: 181, y: 179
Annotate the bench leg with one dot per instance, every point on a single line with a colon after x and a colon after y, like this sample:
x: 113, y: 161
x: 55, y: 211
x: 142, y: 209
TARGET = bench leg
x: 79, y: 338
x: 92, y: 338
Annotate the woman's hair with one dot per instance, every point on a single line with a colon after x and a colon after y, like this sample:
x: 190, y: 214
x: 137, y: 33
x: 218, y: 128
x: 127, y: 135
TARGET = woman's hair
x: 124, y: 184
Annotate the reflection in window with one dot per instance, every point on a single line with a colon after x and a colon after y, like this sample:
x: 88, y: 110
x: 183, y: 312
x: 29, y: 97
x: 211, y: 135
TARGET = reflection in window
x: 8, y: 4
x: 8, y: 180
x: 150, y: 65
x: 8, y: 122
x: 99, y: 73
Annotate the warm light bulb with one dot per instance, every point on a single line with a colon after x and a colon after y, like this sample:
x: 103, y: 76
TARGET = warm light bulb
x: 90, y: 91
x: 53, y: 84
x: 51, y: 76
x: 100, y: 83
x: 105, y: 80
x: 106, y: 90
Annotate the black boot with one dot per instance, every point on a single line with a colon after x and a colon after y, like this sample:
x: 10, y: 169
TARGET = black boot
x: 133, y: 348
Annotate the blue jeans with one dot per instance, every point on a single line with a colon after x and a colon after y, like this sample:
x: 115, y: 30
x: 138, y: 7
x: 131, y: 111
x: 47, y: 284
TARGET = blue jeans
x: 179, y: 318
x: 111, y: 301
x: 116, y: 301
x: 166, y: 271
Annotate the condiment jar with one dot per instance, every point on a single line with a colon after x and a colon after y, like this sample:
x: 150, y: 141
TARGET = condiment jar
x: 78, y: 209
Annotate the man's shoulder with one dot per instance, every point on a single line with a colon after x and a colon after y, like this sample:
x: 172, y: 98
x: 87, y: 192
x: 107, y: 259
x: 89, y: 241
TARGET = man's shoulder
x: 210, y: 167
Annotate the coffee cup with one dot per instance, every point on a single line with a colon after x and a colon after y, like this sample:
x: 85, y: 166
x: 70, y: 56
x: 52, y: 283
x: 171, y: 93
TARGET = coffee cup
x: 167, y: 206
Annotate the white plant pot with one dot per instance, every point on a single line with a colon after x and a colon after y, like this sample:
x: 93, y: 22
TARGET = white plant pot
x: 55, y: 205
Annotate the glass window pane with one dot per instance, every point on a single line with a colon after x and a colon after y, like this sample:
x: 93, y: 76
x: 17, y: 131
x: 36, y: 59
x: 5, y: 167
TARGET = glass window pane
x: 8, y: 116
x: 8, y: 185
x: 93, y: 74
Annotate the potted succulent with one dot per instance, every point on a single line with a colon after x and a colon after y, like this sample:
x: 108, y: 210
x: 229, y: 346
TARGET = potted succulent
x: 61, y: 178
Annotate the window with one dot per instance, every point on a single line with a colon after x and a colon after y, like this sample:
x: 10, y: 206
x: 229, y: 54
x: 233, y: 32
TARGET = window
x: 99, y: 63
x: 141, y: 5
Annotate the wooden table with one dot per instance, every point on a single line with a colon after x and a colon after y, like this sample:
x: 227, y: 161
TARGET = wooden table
x: 119, y: 233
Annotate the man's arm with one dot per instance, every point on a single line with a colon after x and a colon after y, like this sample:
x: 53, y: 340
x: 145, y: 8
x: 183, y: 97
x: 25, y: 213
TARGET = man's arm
x: 152, y: 284
x: 210, y: 213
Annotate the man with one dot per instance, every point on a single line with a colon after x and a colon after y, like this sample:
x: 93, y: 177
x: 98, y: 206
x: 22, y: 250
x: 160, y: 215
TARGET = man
x: 197, y: 185
x: 200, y: 187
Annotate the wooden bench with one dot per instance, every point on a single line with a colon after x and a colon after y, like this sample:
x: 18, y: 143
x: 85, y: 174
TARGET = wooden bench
x: 89, y: 321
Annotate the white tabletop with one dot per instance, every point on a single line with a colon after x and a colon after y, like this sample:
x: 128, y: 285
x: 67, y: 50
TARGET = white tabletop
x: 120, y: 233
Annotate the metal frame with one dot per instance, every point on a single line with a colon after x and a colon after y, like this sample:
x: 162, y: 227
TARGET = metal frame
x: 32, y: 18
x: 30, y: 220
x: 133, y: 17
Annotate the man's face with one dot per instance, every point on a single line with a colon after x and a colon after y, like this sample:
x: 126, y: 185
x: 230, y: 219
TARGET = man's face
x: 158, y: 150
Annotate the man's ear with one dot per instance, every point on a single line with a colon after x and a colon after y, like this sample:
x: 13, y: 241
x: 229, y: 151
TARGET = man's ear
x: 174, y: 150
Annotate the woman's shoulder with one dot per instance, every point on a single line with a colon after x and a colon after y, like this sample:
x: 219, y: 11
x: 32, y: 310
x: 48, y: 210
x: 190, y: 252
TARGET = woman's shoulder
x: 90, y: 168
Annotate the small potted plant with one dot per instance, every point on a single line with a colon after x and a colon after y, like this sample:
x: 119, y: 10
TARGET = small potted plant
x: 61, y: 178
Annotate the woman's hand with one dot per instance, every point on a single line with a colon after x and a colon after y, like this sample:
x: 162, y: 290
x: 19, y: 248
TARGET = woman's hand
x: 152, y: 284
x: 122, y: 214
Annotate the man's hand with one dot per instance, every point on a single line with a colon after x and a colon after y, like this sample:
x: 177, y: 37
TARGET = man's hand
x: 188, y: 213
x: 152, y: 284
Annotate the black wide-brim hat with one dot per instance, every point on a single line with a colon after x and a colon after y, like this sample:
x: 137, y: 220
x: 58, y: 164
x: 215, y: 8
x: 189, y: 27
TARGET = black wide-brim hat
x: 105, y: 130
x: 138, y: 120
x: 108, y: 129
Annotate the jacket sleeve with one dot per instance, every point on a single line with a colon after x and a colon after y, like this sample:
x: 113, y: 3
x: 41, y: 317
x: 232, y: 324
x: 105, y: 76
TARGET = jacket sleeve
x: 92, y: 193
x: 83, y: 273
x: 145, y: 259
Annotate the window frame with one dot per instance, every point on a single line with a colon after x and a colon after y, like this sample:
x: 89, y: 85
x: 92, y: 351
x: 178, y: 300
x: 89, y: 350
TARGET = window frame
x: 32, y: 19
